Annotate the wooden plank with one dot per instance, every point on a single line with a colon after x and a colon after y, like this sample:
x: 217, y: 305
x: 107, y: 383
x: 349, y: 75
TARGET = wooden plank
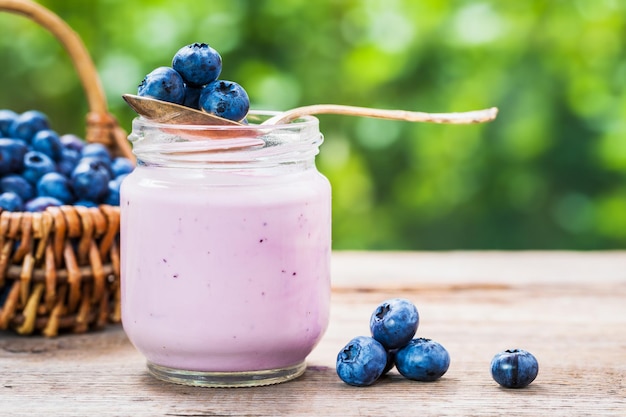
x: 567, y: 308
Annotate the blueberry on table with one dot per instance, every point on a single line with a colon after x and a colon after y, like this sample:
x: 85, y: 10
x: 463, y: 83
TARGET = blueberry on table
x: 394, y: 322
x: 54, y: 184
x: 391, y: 360
x: 12, y: 152
x: 27, y: 124
x: 225, y: 99
x: 422, y: 360
x: 10, y: 201
x: 198, y: 64
x: 36, y: 164
x: 514, y: 368
x: 361, y: 362
x: 163, y: 83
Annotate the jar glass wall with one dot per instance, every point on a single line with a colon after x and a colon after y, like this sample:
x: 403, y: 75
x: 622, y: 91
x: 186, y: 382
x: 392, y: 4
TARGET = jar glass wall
x: 226, y: 240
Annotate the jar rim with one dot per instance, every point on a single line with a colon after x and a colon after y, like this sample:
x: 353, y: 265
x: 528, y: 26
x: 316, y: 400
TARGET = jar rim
x: 257, y: 115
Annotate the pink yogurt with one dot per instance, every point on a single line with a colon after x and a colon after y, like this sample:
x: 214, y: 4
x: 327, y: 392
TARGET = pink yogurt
x: 225, y: 271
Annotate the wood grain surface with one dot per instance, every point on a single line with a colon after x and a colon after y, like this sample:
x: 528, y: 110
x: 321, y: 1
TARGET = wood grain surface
x: 567, y: 308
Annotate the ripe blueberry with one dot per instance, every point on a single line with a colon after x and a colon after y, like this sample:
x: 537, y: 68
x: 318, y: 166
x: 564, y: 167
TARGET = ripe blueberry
x: 163, y: 83
x: 90, y: 180
x: 192, y: 97
x: 70, y: 141
x: 41, y: 203
x: 48, y: 142
x: 226, y: 99
x: 69, y: 159
x: 6, y: 119
x: 394, y: 322
x: 17, y: 184
x: 10, y: 201
x: 96, y: 150
x: 12, y: 152
x: 422, y: 360
x: 198, y: 64
x: 27, y: 124
x: 514, y: 368
x: 361, y: 362
x: 36, y: 164
x: 55, y: 185
x: 121, y: 166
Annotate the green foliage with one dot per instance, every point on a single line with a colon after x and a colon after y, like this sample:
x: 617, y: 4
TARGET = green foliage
x: 549, y: 173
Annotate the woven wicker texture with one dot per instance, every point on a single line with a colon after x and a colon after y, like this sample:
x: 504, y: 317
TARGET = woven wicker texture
x: 61, y: 267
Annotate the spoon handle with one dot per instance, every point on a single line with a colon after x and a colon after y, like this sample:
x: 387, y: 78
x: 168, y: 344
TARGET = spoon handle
x: 476, y: 116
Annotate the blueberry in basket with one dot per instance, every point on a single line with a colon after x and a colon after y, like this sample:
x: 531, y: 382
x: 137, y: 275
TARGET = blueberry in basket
x: 39, y: 168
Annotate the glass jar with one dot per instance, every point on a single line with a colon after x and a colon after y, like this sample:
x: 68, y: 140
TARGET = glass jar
x: 225, y: 251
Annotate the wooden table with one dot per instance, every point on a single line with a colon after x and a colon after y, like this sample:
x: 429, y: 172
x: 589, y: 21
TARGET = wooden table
x: 568, y: 308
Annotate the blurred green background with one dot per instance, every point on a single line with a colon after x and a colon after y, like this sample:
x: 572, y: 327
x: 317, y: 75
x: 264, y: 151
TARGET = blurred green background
x: 549, y: 173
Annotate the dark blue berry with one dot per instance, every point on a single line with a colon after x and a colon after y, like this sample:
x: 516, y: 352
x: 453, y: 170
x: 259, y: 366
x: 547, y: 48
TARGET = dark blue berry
x: 361, y: 362
x: 198, y: 64
x: 422, y: 360
x: 192, y: 97
x: 70, y: 141
x: 226, y: 99
x: 90, y: 180
x: 6, y: 119
x: 394, y: 322
x: 36, y: 164
x: 391, y: 360
x: 41, y: 203
x: 12, y: 152
x: 10, y: 201
x: 514, y: 368
x: 85, y: 203
x: 27, y: 124
x: 113, y: 197
x: 17, y: 184
x: 163, y: 83
x: 121, y: 166
x: 47, y: 141
x: 69, y: 160
x: 96, y: 150
x: 54, y: 184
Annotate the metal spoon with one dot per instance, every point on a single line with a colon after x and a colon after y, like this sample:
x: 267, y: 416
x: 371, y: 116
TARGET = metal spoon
x: 170, y: 113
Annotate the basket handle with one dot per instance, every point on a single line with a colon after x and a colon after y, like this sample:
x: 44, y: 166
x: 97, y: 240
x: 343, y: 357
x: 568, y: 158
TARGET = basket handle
x: 102, y: 127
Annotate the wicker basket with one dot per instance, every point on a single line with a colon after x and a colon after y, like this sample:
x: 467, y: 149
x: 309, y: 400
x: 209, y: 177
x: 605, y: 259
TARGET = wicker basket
x: 61, y: 267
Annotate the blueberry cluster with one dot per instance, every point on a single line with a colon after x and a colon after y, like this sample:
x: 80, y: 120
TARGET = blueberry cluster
x: 393, y: 325
x: 39, y: 168
x: 192, y: 81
